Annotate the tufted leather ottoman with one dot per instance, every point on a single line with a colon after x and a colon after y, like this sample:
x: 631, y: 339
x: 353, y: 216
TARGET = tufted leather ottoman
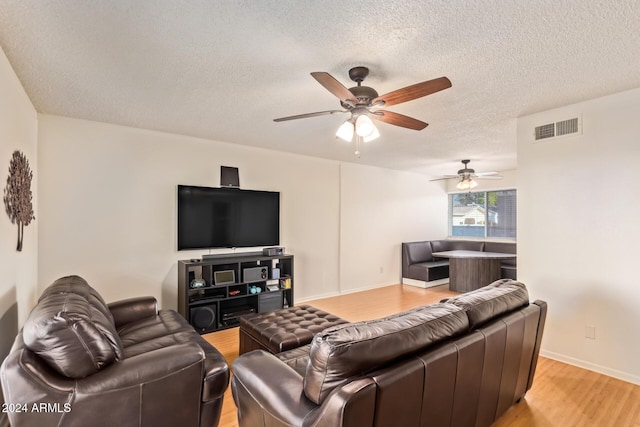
x: 284, y: 329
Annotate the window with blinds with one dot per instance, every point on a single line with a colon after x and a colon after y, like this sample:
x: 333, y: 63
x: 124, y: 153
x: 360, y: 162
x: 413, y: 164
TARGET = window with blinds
x: 483, y: 214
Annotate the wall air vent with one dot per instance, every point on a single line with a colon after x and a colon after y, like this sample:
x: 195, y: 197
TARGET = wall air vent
x: 545, y: 131
x: 564, y: 128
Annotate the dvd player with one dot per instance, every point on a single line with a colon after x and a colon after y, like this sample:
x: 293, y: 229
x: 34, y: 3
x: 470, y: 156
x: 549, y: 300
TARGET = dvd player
x: 231, y: 318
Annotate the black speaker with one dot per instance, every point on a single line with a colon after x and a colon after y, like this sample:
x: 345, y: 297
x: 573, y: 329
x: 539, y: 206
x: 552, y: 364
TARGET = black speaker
x: 203, y: 318
x: 229, y: 177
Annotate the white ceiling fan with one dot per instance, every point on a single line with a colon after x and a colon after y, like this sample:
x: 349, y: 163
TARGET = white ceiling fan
x: 467, y: 176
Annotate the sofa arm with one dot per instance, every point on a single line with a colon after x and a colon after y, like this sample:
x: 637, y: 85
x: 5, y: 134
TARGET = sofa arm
x: 267, y: 391
x: 117, y: 386
x: 133, y: 309
x: 536, y: 349
x: 351, y: 405
x: 24, y: 366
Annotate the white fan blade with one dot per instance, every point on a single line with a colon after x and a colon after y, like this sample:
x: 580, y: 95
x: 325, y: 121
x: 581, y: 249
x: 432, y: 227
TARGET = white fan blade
x: 445, y: 177
x: 489, y: 177
x: 486, y: 173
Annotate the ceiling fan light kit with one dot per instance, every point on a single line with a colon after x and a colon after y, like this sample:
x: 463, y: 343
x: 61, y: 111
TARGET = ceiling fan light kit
x: 468, y: 177
x: 364, y: 126
x: 373, y: 135
x: 345, y: 131
x: 466, y: 184
x: 364, y: 103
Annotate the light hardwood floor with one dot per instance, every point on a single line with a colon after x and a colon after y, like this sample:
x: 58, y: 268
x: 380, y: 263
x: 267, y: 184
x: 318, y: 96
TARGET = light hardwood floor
x: 562, y: 395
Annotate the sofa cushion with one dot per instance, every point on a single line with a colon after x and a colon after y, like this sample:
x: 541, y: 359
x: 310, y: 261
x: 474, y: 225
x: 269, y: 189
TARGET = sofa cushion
x: 502, y: 247
x: 296, y: 358
x: 418, y: 252
x: 343, y: 351
x: 428, y: 271
x: 169, y: 329
x: 508, y: 271
x: 491, y: 301
x: 456, y: 245
x: 72, y: 329
x: 432, y: 264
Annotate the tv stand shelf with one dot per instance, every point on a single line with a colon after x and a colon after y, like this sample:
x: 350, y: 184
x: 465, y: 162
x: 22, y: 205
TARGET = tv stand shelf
x: 231, y: 284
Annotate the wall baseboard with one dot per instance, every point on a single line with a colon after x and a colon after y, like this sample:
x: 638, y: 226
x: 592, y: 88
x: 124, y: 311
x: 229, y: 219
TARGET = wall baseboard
x: 614, y: 373
x: 367, y: 288
x: 345, y: 292
x: 320, y: 296
x: 423, y: 284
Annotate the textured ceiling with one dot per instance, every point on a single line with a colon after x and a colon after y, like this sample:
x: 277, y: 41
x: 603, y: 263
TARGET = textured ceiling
x: 223, y: 70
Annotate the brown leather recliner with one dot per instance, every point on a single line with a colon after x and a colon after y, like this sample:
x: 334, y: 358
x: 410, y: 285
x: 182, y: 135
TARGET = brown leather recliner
x: 80, y: 362
x: 462, y: 362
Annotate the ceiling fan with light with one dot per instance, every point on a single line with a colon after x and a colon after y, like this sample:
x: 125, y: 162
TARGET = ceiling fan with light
x: 364, y: 104
x: 467, y: 176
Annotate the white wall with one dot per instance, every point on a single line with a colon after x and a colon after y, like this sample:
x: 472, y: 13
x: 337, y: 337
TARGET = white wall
x: 108, y: 205
x: 18, y: 131
x: 578, y: 232
x: 108, y: 208
x: 380, y: 209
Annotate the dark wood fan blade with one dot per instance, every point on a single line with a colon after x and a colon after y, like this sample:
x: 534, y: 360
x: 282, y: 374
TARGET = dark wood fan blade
x: 333, y: 86
x: 304, y: 116
x: 415, y: 91
x: 399, y: 120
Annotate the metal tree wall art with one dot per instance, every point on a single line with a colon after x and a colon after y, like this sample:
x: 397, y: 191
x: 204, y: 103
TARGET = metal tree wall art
x: 17, y: 194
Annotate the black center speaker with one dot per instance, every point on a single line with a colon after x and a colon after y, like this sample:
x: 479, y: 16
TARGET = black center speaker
x: 203, y: 318
x: 229, y: 177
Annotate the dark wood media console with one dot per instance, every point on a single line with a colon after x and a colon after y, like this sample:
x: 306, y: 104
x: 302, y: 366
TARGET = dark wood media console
x: 228, y: 286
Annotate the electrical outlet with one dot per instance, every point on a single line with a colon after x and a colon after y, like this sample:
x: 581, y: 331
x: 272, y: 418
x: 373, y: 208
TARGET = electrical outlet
x: 590, y: 332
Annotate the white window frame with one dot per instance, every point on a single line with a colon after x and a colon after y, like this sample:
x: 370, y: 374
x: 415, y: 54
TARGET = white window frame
x: 450, y: 224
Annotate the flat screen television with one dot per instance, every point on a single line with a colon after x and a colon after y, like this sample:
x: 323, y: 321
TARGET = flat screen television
x: 227, y: 218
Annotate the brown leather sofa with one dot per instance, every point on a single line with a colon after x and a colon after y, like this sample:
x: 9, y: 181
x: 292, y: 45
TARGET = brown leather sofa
x: 80, y: 362
x: 420, y: 268
x: 462, y: 362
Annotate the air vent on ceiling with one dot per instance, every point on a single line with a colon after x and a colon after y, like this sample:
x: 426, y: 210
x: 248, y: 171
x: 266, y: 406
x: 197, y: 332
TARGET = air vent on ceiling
x: 563, y: 128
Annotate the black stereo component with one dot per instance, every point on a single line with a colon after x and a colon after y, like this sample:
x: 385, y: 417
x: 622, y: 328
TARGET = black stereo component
x: 232, y: 317
x: 203, y: 318
x: 255, y: 274
x: 273, y: 251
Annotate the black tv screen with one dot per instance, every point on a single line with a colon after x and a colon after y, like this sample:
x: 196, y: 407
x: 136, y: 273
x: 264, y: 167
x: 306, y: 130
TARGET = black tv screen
x: 227, y: 218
